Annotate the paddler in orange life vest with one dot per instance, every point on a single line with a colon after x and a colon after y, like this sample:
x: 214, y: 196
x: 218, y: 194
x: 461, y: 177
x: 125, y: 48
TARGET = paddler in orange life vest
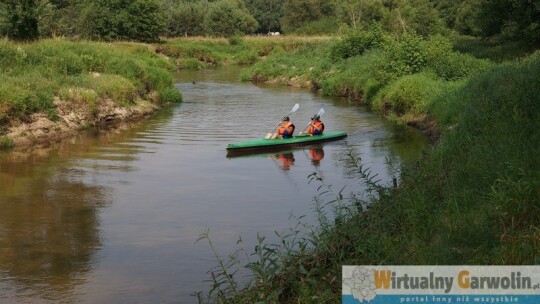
x: 316, y: 127
x: 286, y: 129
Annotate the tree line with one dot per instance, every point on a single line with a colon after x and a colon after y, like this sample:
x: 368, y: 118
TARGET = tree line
x: 147, y: 20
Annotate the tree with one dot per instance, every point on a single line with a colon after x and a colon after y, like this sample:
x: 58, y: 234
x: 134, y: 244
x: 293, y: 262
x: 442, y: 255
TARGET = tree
x: 59, y: 18
x: 298, y: 12
x: 267, y: 13
x: 422, y: 17
x: 185, y: 17
x: 465, y: 18
x: 514, y: 19
x: 20, y: 19
x: 359, y: 13
x: 119, y: 19
x: 226, y: 18
x: 145, y: 21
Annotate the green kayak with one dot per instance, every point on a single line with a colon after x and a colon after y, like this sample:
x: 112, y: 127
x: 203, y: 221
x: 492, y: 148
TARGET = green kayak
x: 261, y: 144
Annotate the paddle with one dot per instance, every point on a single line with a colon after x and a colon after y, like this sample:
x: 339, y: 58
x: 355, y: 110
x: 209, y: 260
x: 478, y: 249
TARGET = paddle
x: 296, y: 106
x: 321, y: 112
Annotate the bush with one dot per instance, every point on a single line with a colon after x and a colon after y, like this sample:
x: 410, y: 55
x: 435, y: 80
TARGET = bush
x: 410, y: 53
x: 456, y: 66
x: 189, y: 64
x: 122, y: 20
x: 247, y: 57
x: 235, y: 40
x: 170, y: 95
x: 226, y: 18
x: 357, y: 43
x: 410, y: 94
x: 322, y: 26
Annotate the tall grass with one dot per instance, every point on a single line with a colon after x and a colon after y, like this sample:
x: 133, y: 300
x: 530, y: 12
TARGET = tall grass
x: 493, y: 49
x: 32, y: 74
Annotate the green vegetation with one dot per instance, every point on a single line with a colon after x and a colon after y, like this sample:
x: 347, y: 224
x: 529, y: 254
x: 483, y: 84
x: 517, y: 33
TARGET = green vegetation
x: 6, y: 142
x: 497, y: 50
x: 32, y: 75
x: 399, y: 76
x: 147, y: 20
x: 470, y: 67
x: 196, y: 53
x: 120, y: 20
x: 474, y: 198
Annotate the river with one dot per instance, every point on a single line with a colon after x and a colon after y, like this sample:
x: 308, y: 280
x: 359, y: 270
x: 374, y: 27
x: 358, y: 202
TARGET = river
x: 112, y: 216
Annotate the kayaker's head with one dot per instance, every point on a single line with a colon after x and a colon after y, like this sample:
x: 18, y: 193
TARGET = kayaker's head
x: 286, y: 118
x: 316, y: 118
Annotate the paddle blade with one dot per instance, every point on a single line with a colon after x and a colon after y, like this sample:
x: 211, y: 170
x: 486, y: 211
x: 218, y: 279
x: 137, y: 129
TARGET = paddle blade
x: 321, y: 112
x: 296, y: 106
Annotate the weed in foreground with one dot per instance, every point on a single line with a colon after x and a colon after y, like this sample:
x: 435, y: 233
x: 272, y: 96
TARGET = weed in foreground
x: 300, y: 265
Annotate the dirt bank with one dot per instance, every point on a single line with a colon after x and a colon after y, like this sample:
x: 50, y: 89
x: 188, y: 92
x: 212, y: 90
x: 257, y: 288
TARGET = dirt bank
x: 42, y: 130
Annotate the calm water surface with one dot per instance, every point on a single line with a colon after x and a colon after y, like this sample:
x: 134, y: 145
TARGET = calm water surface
x: 113, y: 217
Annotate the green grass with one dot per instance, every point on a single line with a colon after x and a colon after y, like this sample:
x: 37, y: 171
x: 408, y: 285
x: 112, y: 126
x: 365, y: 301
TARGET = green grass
x: 493, y: 49
x: 6, y: 142
x: 32, y: 74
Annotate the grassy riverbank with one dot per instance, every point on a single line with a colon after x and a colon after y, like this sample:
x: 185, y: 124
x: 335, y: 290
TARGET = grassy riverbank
x: 398, y: 77
x: 203, y: 52
x: 473, y: 199
x: 81, y: 74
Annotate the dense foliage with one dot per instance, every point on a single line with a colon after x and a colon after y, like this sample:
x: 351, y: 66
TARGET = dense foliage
x: 146, y: 20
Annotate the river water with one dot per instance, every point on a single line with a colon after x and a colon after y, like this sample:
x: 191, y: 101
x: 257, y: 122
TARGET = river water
x: 113, y: 216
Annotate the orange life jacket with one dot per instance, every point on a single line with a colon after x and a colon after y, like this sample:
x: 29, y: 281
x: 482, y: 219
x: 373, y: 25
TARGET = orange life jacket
x: 316, y: 127
x: 288, y: 126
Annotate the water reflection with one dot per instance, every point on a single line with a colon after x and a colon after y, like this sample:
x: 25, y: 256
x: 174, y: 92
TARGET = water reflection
x: 285, y: 160
x: 51, y: 198
x: 48, y: 229
x: 316, y: 154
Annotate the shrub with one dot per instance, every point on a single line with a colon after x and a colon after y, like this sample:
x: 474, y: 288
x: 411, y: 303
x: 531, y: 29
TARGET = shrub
x: 410, y: 94
x: 247, y: 57
x: 235, y: 40
x: 189, y: 64
x: 170, y: 95
x: 410, y: 52
x: 226, y: 18
x: 357, y: 43
x: 324, y: 25
x: 456, y: 66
